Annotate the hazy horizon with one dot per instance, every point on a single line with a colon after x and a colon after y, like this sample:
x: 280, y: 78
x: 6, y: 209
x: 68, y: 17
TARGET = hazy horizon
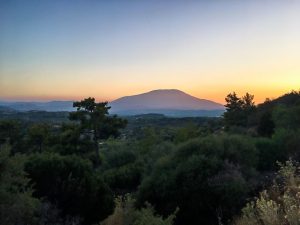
x: 63, y: 50
x: 59, y: 100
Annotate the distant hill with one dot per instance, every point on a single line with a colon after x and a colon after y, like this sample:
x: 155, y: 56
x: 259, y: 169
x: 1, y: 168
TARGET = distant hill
x: 5, y: 109
x: 52, y: 106
x: 170, y: 102
x: 289, y: 99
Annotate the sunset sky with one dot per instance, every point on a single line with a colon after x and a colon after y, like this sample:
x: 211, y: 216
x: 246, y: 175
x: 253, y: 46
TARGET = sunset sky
x: 67, y: 50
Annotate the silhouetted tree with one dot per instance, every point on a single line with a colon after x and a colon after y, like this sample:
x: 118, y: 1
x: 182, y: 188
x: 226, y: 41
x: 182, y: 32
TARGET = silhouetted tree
x: 94, y: 121
x: 238, y: 110
x: 233, y: 114
x: 248, y: 103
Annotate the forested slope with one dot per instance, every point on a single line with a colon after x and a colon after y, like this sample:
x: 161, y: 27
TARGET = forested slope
x: 98, y: 169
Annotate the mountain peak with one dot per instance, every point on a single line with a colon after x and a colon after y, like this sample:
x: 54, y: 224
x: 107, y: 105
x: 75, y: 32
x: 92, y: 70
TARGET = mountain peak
x: 162, y: 99
x: 166, y: 90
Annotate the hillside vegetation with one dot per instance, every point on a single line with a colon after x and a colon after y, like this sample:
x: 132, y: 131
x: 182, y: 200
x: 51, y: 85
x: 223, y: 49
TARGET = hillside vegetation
x: 88, y: 167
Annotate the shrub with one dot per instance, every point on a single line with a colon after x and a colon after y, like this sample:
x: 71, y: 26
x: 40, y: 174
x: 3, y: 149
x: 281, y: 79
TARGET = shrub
x: 278, y: 205
x: 126, y: 214
x: 70, y: 183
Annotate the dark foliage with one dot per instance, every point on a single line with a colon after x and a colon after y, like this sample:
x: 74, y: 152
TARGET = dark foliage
x: 95, y: 122
x: 74, y: 169
x: 70, y: 183
x: 206, y: 178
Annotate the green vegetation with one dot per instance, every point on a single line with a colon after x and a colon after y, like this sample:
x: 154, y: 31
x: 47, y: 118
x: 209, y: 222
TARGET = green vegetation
x: 94, y: 122
x: 278, y: 205
x: 157, y: 170
x: 126, y: 214
x: 17, y: 205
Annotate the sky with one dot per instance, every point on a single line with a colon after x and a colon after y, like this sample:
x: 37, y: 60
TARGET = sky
x: 69, y: 50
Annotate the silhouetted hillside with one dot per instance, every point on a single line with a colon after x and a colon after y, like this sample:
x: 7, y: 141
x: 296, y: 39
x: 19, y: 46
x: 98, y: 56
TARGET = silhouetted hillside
x: 52, y: 106
x: 170, y: 102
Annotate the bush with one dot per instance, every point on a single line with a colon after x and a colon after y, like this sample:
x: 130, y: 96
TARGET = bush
x: 126, y: 214
x: 278, y: 205
x: 17, y: 206
x: 70, y: 183
x: 209, y: 179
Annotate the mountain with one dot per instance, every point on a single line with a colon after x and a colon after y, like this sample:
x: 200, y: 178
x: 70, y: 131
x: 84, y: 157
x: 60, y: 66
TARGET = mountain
x: 170, y: 102
x: 52, y: 106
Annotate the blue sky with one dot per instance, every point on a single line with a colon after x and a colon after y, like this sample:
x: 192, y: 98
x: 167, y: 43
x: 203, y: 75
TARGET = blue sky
x: 107, y: 49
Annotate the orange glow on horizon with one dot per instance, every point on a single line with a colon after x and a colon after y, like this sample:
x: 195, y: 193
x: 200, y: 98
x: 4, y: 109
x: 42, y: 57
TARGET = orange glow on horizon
x: 213, y: 95
x: 205, y: 48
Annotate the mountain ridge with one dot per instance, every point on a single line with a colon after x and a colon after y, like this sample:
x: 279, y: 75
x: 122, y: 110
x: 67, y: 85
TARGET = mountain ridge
x: 170, y: 102
x: 167, y: 101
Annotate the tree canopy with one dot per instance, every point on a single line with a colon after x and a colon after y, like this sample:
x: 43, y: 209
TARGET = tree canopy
x: 95, y: 122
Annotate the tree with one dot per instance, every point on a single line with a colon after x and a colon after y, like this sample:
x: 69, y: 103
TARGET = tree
x: 238, y: 110
x: 209, y: 179
x: 11, y: 133
x: 287, y: 117
x: 71, y: 184
x: 17, y: 206
x: 95, y: 122
x: 37, y: 135
x: 248, y: 105
x: 233, y: 114
x: 266, y: 125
